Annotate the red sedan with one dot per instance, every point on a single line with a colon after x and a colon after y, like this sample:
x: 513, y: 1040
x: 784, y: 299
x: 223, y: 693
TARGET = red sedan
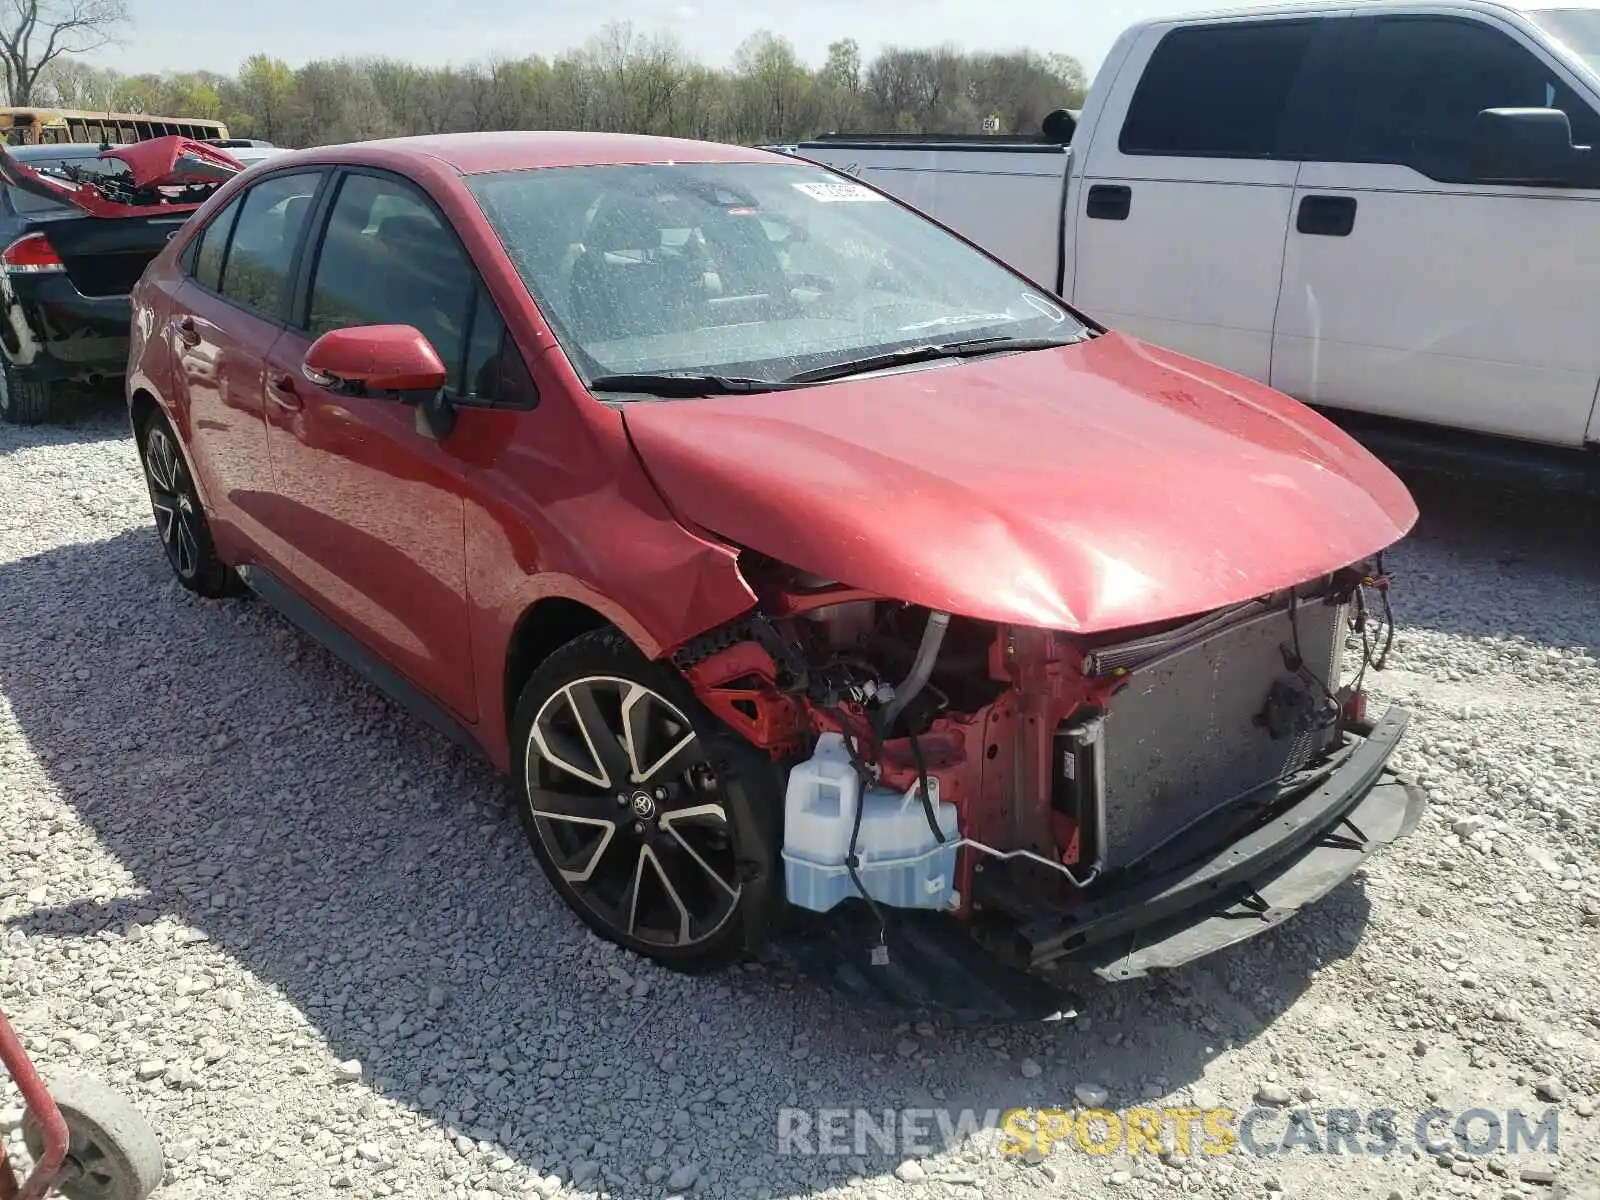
x: 791, y: 554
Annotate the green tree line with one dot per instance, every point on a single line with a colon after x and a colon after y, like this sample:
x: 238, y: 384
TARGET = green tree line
x: 621, y: 80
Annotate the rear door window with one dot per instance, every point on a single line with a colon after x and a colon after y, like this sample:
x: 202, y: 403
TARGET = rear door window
x: 1218, y: 91
x: 211, y: 246
x: 265, y: 237
x: 1428, y: 78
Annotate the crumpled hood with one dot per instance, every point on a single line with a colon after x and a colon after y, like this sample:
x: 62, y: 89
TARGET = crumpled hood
x: 1095, y: 487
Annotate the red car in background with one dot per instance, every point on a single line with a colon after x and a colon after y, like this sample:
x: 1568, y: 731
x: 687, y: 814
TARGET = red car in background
x: 661, y: 471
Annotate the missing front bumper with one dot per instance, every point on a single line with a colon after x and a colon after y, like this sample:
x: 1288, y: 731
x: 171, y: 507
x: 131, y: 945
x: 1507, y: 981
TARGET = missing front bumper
x: 1248, y: 885
x: 1251, y: 884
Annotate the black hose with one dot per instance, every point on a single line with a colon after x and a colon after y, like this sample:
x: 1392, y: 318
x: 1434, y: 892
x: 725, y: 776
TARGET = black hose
x: 851, y: 860
x: 922, y: 784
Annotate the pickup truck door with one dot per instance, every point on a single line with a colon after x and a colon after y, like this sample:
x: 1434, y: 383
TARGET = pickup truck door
x: 1182, y: 192
x: 1412, y: 290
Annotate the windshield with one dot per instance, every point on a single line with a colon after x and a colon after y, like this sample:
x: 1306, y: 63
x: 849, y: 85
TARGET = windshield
x: 762, y: 271
x: 1578, y: 28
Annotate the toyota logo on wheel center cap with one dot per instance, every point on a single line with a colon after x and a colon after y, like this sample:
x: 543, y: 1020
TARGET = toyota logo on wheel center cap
x: 644, y: 804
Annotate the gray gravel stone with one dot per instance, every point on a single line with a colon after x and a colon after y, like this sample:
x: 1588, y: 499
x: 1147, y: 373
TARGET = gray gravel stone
x: 1274, y: 1094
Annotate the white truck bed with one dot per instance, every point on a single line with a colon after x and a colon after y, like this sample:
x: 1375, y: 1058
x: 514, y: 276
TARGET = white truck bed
x: 1008, y: 196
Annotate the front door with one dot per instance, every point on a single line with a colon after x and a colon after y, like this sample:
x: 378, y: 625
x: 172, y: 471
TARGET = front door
x: 374, y: 506
x: 1184, y: 199
x: 1412, y: 290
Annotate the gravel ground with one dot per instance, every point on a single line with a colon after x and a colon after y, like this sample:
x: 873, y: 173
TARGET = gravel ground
x: 306, y: 936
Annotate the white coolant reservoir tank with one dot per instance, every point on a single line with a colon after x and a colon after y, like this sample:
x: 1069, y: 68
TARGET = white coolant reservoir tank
x: 902, y: 864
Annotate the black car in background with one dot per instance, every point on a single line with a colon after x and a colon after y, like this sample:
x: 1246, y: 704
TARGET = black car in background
x: 64, y: 282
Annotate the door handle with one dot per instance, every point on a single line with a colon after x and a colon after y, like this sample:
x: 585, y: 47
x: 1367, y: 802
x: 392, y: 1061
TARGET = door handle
x: 1326, y: 216
x: 1109, y: 202
x: 281, y: 389
x: 187, y: 333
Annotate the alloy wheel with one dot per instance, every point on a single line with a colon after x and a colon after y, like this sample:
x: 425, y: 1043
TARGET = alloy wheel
x: 630, y: 813
x: 172, y: 497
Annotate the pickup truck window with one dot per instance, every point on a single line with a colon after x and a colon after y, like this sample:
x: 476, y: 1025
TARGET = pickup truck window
x: 1428, y: 78
x: 1217, y: 91
x: 1577, y: 28
x: 762, y: 271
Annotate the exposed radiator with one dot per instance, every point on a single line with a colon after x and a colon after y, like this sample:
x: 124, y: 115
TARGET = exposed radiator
x: 1183, y: 739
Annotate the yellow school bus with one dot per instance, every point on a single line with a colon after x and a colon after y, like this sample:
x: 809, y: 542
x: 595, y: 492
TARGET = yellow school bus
x: 53, y: 126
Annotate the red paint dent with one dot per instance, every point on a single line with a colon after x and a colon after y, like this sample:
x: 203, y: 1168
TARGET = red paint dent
x: 1096, y: 487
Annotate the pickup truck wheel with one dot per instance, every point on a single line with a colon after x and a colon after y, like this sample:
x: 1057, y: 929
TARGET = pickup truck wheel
x: 26, y: 401
x: 653, y: 846
x: 180, y: 518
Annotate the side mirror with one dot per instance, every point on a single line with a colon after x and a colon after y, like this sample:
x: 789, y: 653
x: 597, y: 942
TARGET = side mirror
x: 1524, y: 145
x: 375, y: 358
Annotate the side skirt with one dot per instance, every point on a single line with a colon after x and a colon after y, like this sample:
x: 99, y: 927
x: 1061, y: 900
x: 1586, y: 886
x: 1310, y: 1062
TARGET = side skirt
x: 357, y: 657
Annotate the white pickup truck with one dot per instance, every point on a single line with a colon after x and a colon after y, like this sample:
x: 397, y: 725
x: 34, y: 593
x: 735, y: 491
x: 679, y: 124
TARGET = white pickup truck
x: 1385, y: 207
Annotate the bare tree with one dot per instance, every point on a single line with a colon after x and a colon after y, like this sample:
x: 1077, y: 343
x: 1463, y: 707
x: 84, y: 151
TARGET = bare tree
x: 34, y: 33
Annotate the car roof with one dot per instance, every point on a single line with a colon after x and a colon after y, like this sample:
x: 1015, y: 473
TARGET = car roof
x: 475, y: 153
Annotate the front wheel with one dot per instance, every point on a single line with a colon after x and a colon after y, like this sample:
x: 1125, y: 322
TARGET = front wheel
x: 651, y: 828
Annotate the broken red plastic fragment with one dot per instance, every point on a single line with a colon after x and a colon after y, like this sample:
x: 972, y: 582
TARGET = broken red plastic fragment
x: 160, y: 162
x: 175, y: 162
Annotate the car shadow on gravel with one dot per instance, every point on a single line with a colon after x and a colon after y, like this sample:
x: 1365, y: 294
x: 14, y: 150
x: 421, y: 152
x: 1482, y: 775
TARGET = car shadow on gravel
x: 351, y: 860
x: 1490, y: 560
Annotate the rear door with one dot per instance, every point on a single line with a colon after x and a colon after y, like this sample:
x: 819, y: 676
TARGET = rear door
x: 372, y: 505
x: 228, y: 314
x: 1412, y: 289
x: 1187, y: 182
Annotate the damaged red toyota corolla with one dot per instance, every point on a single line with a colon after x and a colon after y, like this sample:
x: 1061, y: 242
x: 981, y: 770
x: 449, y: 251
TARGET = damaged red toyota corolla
x: 807, y: 569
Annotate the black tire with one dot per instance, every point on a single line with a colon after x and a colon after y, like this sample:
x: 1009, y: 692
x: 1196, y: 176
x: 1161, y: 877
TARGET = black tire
x: 180, y: 517
x: 115, y: 1148
x: 710, y: 872
x: 26, y: 401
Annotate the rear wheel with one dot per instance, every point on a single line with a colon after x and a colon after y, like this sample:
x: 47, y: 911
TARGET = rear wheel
x: 180, y: 520
x: 26, y: 401
x: 645, y: 827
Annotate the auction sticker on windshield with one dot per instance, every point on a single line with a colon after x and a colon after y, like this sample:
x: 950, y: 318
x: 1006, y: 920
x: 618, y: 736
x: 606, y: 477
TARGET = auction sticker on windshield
x: 835, y: 193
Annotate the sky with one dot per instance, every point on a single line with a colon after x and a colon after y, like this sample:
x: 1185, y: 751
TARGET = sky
x: 170, y: 35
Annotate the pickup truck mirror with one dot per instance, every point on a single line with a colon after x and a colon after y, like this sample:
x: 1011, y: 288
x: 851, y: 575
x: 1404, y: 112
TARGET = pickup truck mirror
x: 375, y: 358
x: 1525, y: 145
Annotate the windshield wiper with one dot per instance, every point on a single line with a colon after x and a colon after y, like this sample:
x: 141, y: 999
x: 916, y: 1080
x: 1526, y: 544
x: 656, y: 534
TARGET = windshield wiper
x: 683, y: 385
x: 926, y: 353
